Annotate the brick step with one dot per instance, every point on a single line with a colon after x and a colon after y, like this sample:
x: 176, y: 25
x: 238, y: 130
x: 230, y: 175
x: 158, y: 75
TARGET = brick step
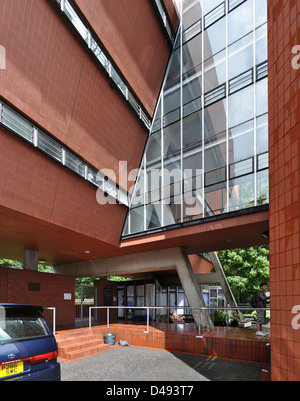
x: 86, y: 352
x: 79, y: 338
x: 61, y: 335
x: 78, y: 345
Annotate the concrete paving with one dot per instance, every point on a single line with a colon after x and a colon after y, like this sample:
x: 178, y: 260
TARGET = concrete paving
x: 143, y: 364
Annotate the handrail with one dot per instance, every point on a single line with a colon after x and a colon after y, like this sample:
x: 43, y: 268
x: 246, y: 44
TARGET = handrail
x: 54, y: 318
x: 147, y: 308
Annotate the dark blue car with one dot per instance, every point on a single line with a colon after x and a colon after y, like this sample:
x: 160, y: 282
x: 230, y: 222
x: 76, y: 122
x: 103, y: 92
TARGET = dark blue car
x: 28, y: 350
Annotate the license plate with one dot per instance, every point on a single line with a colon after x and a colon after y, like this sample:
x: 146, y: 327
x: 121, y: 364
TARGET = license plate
x: 11, y: 369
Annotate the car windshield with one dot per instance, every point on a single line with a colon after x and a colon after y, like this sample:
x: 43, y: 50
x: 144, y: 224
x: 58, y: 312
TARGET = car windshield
x: 18, y: 324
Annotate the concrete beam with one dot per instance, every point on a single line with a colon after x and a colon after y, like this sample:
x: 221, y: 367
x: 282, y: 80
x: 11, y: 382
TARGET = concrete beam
x: 165, y: 259
x: 207, y: 278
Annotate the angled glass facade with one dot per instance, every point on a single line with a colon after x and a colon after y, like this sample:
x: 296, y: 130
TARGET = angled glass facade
x: 207, y: 152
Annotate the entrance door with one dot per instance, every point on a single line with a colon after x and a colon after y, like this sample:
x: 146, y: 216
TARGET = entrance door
x: 85, y: 296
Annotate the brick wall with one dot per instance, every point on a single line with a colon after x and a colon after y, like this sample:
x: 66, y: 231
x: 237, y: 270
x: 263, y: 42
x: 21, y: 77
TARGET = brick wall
x: 284, y: 155
x: 15, y: 287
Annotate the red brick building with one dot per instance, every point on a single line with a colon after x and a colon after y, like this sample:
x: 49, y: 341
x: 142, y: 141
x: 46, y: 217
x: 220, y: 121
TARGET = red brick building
x: 85, y: 85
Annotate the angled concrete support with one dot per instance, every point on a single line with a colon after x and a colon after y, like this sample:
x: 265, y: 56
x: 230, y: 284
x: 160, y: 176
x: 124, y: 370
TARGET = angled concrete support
x: 217, y: 277
x: 164, y: 259
x: 192, y: 291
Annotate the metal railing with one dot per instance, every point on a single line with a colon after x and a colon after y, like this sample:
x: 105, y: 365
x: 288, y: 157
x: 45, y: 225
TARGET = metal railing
x: 147, y: 308
x: 54, y: 318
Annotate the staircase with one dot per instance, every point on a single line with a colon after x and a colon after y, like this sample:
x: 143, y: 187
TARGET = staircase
x: 74, y: 345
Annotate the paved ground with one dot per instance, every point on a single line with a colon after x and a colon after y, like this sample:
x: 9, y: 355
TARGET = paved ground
x: 142, y: 364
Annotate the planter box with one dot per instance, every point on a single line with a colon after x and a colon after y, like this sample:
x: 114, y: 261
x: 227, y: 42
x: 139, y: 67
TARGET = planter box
x: 248, y: 324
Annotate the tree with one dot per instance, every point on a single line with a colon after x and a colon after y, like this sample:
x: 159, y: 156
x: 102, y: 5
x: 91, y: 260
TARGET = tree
x: 245, y: 269
x: 15, y: 264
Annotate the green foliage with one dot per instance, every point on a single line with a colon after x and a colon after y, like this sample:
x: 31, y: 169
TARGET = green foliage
x: 220, y: 316
x: 117, y: 278
x: 15, y: 264
x: 245, y: 269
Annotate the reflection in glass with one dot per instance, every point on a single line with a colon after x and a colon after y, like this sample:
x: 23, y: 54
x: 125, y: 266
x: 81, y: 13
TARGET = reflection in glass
x: 241, y: 193
x: 210, y: 132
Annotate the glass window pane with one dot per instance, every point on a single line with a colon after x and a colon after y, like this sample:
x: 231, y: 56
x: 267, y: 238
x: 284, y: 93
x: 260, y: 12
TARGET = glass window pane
x: 191, y: 89
x: 215, y: 119
x: 50, y: 146
x: 241, y: 193
x: 261, y: 12
x: 153, y: 216
x: 171, y: 100
x: 215, y: 71
x: 209, y: 5
x: 191, y: 14
x: 262, y: 161
x: 262, y: 97
x: 137, y: 220
x: 76, y: 21
x: 192, y: 129
x: 173, y: 73
x: 215, y: 38
x: 241, y: 147
x: 262, y: 187
x: 215, y: 156
x: 16, y: 123
x: 262, y: 134
x: 99, y: 54
x: 241, y: 168
x: 215, y: 176
x: 192, y: 55
x: 153, y: 151
x: 74, y: 163
x: 261, y: 51
x: 240, y: 21
x: 240, y: 56
x: 171, y: 135
x: 241, y: 106
x: 215, y: 199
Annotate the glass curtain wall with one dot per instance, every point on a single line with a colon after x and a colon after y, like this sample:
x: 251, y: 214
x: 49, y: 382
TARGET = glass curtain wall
x: 207, y: 152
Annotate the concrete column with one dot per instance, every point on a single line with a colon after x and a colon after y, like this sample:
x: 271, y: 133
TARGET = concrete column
x: 30, y: 260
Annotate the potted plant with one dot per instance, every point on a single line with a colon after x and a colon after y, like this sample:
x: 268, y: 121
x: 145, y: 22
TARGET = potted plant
x: 163, y: 319
x: 235, y: 318
x: 244, y: 323
x: 220, y: 318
